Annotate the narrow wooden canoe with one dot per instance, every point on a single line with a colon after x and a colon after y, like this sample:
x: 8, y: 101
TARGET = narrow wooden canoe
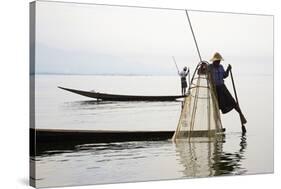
x: 55, y: 140
x: 58, y: 140
x: 115, y: 97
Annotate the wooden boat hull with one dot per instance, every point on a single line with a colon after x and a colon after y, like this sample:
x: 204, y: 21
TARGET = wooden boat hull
x: 50, y: 140
x: 54, y: 140
x: 115, y: 97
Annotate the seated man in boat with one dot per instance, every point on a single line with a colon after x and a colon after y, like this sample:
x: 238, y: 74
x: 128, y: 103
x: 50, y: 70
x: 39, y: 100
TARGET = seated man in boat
x: 218, y: 74
x: 183, y: 75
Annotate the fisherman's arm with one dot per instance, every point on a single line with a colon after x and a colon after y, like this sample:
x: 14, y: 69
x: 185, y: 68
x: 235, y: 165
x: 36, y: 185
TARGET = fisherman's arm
x: 226, y: 73
x: 187, y: 72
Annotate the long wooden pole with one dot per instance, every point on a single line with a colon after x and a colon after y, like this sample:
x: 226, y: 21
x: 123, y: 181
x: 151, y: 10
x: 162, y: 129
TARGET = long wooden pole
x: 236, y: 98
x: 176, y: 64
x: 195, y: 41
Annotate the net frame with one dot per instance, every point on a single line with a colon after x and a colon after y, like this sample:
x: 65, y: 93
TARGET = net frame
x: 187, y: 127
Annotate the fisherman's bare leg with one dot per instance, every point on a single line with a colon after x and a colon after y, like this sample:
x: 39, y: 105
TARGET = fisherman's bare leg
x: 242, y: 117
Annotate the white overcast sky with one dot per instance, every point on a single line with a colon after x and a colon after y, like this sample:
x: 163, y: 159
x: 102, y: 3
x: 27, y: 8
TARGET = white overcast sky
x: 94, y: 39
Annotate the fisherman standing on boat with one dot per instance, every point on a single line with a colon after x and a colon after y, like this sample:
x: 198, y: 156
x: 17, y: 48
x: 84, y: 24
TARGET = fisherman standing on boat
x: 183, y: 75
x: 225, y: 100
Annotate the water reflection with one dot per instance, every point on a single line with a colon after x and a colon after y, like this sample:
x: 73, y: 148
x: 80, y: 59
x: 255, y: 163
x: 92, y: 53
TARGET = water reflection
x: 203, y: 158
x: 97, y: 148
x: 126, y: 161
x: 94, y: 104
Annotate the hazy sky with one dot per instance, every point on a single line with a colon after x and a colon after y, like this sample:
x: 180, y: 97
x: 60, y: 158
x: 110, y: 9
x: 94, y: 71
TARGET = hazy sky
x: 94, y: 39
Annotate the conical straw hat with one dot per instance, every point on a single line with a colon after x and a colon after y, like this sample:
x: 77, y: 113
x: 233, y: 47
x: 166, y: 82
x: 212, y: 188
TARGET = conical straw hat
x: 216, y: 56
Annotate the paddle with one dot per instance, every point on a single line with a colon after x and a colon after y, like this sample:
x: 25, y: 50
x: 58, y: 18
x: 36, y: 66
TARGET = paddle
x: 234, y: 89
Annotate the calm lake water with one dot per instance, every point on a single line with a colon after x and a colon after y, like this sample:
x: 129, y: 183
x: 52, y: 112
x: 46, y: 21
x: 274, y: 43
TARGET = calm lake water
x: 148, y: 160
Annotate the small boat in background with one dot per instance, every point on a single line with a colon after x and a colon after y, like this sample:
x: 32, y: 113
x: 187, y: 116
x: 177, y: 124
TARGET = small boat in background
x: 115, y: 97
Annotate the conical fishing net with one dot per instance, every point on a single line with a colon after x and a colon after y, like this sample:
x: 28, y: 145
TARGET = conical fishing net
x: 200, y: 115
